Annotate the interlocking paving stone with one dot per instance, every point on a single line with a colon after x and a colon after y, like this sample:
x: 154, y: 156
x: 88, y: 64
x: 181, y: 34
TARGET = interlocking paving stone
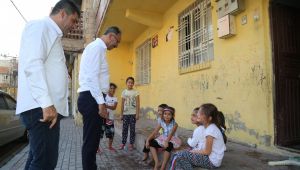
x: 70, y: 153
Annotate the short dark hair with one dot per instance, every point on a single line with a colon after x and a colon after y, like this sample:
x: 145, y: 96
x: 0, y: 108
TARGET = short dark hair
x: 163, y: 105
x: 112, y: 29
x: 196, y: 110
x: 113, y: 84
x: 69, y: 6
x: 129, y: 78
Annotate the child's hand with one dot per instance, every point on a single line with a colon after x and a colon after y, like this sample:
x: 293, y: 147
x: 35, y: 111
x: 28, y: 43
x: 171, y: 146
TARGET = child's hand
x: 166, y: 144
x: 121, y: 117
x: 136, y: 117
x: 147, y: 144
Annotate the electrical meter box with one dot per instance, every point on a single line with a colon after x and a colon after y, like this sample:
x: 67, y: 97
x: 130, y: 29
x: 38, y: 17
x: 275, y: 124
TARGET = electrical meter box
x: 226, y: 26
x: 232, y: 7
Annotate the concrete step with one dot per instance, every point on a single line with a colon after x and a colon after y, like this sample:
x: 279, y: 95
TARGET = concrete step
x: 237, y: 156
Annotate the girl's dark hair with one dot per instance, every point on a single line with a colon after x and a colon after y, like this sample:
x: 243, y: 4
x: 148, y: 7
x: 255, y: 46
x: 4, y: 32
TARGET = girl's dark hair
x: 170, y: 109
x: 129, y: 78
x: 113, y: 85
x: 218, y: 118
x: 163, y: 105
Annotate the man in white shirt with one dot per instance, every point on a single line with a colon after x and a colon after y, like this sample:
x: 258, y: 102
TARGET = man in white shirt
x: 42, y: 83
x: 94, y: 82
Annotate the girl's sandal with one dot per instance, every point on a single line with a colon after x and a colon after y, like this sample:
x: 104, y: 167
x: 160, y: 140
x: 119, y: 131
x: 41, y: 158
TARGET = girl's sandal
x: 145, y: 158
x: 112, y: 149
x: 121, y: 147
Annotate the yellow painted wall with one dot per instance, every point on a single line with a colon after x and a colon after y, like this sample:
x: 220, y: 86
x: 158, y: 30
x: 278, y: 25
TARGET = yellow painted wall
x: 120, y: 67
x: 239, y: 81
x: 74, y: 94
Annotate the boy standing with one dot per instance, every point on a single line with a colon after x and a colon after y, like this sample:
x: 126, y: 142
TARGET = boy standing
x: 111, y: 105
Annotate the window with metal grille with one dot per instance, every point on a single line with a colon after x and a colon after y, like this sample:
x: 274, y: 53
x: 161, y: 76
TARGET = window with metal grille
x: 195, y: 37
x: 143, y: 63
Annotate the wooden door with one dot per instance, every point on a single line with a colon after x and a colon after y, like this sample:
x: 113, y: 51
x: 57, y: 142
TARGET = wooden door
x: 285, y: 27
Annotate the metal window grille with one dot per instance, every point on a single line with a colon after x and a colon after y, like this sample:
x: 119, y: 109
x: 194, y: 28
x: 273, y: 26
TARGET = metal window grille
x: 77, y: 30
x: 195, y: 34
x: 143, y: 64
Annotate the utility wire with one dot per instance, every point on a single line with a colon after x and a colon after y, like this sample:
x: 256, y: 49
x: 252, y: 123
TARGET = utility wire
x: 18, y: 11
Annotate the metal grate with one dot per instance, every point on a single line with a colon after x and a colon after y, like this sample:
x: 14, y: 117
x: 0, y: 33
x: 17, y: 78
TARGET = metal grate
x: 77, y: 31
x: 195, y: 34
x: 143, y: 64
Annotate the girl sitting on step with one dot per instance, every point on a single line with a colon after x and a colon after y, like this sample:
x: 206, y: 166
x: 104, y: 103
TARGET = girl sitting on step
x: 160, y: 110
x: 211, y: 155
x: 168, y: 140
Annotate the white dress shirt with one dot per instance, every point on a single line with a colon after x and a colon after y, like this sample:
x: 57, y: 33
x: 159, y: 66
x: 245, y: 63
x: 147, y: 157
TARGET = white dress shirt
x: 43, y: 75
x: 94, y: 74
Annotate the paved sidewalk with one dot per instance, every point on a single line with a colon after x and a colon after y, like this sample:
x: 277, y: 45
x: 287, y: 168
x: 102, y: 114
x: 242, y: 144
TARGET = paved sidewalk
x: 237, y: 157
x: 70, y: 153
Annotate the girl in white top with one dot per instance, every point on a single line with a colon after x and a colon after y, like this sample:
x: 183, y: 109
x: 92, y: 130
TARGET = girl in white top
x: 197, y: 141
x: 212, y: 154
x: 130, y: 111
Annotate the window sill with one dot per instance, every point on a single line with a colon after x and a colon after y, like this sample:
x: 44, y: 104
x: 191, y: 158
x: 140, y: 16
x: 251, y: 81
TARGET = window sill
x: 198, y: 67
x: 141, y: 85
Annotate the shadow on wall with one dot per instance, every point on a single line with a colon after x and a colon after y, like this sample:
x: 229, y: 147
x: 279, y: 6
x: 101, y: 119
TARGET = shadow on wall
x: 234, y: 123
x: 148, y: 113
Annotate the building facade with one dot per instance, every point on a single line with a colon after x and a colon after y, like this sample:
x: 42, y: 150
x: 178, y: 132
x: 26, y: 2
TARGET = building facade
x: 241, y: 55
x: 9, y: 75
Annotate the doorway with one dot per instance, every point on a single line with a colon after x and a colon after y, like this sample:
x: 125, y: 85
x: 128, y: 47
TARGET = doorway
x: 285, y: 31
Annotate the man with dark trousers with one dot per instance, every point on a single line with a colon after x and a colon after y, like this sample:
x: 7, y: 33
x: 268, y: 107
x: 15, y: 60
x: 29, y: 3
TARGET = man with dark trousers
x: 94, y: 82
x: 43, y: 83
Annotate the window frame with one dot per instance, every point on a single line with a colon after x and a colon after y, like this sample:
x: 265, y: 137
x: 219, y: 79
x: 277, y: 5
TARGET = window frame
x: 143, y: 73
x: 195, y: 37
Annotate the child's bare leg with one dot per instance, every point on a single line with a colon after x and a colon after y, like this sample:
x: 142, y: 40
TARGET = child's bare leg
x: 165, y: 160
x: 146, y: 155
x: 110, y: 141
x: 146, y: 152
x: 155, y: 158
